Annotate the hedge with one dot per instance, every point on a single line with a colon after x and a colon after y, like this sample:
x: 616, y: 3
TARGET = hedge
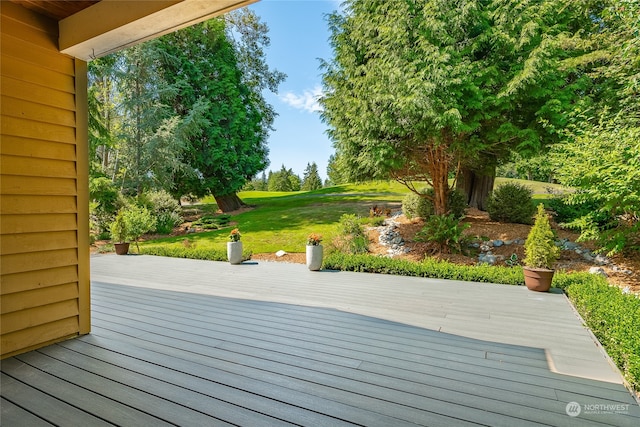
x: 428, y: 268
x: 613, y: 317
x: 191, y: 253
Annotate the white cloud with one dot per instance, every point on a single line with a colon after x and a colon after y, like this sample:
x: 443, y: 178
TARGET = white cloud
x: 307, y: 101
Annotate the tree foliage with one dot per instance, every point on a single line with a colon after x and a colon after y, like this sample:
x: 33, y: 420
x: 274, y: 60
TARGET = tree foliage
x: 418, y: 88
x: 603, y: 145
x: 605, y: 167
x: 283, y: 180
x: 229, y: 145
x: 186, y: 112
x: 311, y: 179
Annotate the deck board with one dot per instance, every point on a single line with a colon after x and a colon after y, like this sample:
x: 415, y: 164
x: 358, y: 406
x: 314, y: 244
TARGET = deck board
x: 179, y: 342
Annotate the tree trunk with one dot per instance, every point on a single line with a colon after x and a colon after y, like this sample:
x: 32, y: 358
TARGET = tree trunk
x: 438, y: 164
x: 476, y: 186
x: 229, y: 202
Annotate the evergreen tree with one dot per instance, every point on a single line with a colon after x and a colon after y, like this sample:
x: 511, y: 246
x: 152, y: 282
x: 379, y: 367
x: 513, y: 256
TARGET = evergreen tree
x: 420, y: 88
x: 283, y: 180
x: 311, y: 179
x: 222, y: 79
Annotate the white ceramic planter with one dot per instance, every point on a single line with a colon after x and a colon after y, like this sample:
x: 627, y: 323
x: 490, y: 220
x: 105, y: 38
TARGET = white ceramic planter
x: 234, y: 252
x: 314, y: 257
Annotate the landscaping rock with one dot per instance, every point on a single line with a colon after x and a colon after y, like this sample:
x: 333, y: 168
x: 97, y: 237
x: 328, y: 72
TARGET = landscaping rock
x: 598, y: 271
x: 570, y: 246
x: 601, y: 260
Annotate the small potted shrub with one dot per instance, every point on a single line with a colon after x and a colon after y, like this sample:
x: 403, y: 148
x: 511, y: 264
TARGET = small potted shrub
x: 540, y: 253
x: 234, y: 247
x: 130, y: 224
x: 314, y: 252
x: 120, y: 234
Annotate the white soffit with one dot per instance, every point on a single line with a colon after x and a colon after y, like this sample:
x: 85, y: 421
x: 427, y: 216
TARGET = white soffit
x: 111, y: 25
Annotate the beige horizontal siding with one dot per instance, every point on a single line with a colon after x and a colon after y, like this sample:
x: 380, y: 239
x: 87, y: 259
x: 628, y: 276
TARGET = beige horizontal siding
x: 31, y: 338
x: 27, y: 51
x: 37, y: 204
x: 25, y: 147
x: 21, y: 262
x: 11, y: 224
x: 30, y: 166
x: 25, y: 281
x: 22, y: 109
x: 38, y: 242
x: 37, y: 130
x: 35, y: 185
x: 38, y: 297
x: 17, y: 88
x: 39, y: 315
x: 39, y: 187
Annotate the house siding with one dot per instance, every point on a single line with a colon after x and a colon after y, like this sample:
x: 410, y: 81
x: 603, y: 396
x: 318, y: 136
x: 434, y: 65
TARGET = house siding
x: 44, y: 260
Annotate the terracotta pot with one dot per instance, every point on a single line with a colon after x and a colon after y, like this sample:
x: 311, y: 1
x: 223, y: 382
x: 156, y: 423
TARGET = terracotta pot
x: 538, y: 279
x: 314, y: 257
x: 121, y: 248
x: 234, y: 252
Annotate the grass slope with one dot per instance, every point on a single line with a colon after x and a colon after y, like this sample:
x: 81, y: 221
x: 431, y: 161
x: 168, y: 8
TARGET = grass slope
x: 282, y: 221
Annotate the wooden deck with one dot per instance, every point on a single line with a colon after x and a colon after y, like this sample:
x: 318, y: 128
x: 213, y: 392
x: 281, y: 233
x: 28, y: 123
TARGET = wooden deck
x: 183, y: 342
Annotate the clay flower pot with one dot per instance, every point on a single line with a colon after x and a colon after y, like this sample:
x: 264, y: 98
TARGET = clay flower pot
x: 121, y: 248
x: 538, y: 279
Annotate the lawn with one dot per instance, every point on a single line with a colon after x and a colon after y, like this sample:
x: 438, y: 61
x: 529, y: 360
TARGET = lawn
x: 282, y: 221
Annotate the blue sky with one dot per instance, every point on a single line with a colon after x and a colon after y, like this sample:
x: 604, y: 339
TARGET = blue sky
x: 299, y: 37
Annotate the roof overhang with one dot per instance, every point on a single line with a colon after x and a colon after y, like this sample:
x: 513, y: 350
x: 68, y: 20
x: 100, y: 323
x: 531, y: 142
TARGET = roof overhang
x: 111, y: 25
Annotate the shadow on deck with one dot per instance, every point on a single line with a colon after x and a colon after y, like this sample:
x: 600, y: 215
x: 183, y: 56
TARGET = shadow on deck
x: 162, y: 357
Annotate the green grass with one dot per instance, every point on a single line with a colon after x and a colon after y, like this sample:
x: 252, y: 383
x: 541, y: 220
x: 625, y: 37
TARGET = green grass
x: 282, y: 220
x: 539, y: 188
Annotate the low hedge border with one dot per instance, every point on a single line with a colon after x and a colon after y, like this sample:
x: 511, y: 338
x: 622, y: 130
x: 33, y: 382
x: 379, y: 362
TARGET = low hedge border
x: 612, y: 316
x: 190, y: 253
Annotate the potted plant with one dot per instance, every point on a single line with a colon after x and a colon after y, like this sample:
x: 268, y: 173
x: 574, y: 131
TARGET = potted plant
x: 130, y: 224
x: 234, y: 247
x: 314, y: 252
x: 120, y: 234
x: 540, y: 253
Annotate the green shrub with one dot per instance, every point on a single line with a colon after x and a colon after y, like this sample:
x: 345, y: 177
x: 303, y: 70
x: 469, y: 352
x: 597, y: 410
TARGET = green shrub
x: 430, y: 267
x: 511, y: 202
x: 103, y: 196
x: 353, y: 238
x: 457, y: 203
x: 540, y: 248
x: 613, y: 317
x: 567, y: 211
x: 416, y: 206
x: 191, y: 252
x: 164, y: 208
x: 444, y: 230
x: 212, y: 222
x: 130, y: 223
